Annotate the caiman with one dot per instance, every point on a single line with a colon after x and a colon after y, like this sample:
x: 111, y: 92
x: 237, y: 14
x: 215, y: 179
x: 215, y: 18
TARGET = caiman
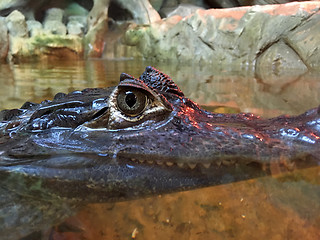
x: 139, y: 138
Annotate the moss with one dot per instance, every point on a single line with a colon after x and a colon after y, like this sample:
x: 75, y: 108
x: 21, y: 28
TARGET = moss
x: 53, y: 41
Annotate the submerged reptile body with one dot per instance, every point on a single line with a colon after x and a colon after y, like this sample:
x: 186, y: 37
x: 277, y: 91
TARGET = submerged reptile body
x: 139, y: 138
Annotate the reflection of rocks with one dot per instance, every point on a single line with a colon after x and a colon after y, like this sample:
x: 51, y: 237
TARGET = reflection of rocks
x: 273, y: 64
x: 294, y: 96
x: 4, y: 44
x: 235, y: 36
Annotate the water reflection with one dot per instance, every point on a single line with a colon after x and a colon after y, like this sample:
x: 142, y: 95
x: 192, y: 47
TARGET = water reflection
x: 282, y: 207
x: 240, y: 90
x: 40, y: 81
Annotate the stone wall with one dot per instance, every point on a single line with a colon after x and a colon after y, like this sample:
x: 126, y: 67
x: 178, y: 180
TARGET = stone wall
x: 273, y: 36
x: 277, y: 37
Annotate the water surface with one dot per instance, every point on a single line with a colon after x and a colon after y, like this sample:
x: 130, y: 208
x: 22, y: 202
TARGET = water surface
x: 283, y: 206
x: 209, y: 86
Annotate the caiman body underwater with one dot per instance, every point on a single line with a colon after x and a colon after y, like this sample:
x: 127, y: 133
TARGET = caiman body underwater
x: 140, y: 138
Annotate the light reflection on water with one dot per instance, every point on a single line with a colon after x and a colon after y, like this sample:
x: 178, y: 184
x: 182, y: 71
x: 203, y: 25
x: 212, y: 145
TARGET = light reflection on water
x: 210, y: 87
x: 284, y: 207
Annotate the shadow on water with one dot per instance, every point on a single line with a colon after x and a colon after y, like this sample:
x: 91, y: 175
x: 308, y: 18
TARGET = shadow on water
x: 284, y: 206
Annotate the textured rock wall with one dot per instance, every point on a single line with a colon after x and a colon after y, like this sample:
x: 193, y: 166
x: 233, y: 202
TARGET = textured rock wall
x: 277, y: 37
x: 65, y: 29
x: 272, y: 36
x: 29, y: 39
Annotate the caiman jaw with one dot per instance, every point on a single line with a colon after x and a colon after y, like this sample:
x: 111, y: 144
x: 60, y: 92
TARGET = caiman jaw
x: 180, y: 164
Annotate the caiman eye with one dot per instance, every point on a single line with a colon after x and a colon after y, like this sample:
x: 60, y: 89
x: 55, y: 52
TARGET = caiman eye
x: 131, y: 102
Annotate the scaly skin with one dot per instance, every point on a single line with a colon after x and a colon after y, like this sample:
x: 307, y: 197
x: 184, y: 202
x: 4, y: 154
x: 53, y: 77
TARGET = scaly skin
x: 87, y: 146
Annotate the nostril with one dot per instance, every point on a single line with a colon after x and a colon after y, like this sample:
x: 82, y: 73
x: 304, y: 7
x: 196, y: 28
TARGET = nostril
x: 100, y: 113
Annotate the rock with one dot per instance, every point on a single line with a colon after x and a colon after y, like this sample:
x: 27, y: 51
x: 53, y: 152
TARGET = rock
x: 11, y: 3
x: 4, y: 41
x: 55, y: 27
x: 223, y: 3
x: 75, y: 28
x: 53, y: 22
x: 97, y: 28
x: 181, y: 6
x: 236, y: 36
x: 305, y: 40
x: 46, y: 46
x: 77, y: 25
x: 265, y: 2
x: 141, y: 11
x: 182, y: 10
x: 7, y: 6
x: 34, y: 27
x: 236, y: 3
x: 80, y: 19
x: 35, y: 10
x: 54, y: 14
x: 49, y: 42
x: 16, y: 24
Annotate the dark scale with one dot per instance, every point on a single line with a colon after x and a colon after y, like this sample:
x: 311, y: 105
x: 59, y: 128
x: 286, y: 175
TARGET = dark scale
x: 160, y: 81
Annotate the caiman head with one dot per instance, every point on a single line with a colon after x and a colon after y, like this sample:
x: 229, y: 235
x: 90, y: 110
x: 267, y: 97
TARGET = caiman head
x: 139, y: 138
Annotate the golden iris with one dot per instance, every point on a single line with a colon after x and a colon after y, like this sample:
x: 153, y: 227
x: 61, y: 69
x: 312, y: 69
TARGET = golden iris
x: 131, y: 102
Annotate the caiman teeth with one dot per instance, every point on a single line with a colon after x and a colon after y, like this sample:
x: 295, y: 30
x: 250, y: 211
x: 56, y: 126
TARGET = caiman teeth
x: 228, y: 162
x: 169, y: 164
x: 206, y: 165
x: 192, y: 165
x: 180, y: 165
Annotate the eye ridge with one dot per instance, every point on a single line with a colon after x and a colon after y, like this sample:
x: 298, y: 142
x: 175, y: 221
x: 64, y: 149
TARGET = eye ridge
x: 131, y: 102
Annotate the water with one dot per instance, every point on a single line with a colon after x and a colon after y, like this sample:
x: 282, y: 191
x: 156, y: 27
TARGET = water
x: 285, y: 206
x: 209, y: 86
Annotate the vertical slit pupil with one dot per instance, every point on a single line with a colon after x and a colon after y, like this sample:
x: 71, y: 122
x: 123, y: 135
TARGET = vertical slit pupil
x: 130, y: 99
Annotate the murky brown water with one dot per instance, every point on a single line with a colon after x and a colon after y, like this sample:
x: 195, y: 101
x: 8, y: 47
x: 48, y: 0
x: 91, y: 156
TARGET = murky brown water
x: 207, y: 85
x: 286, y: 206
